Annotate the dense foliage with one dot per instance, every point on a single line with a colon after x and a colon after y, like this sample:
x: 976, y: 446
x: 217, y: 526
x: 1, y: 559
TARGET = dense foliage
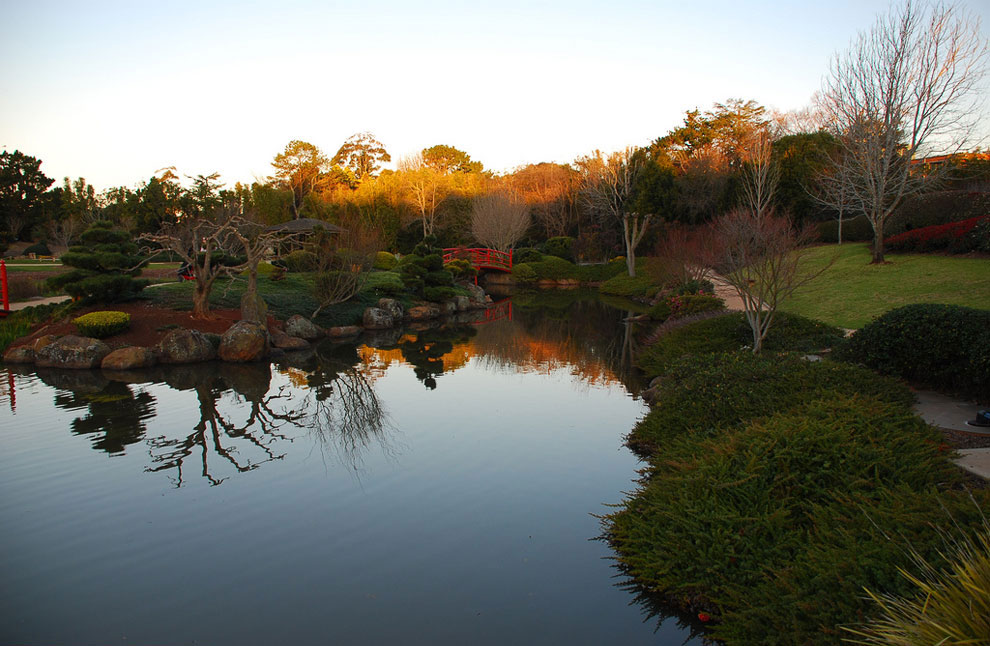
x: 945, y: 346
x: 106, y: 264
x: 956, y: 237
x: 101, y: 325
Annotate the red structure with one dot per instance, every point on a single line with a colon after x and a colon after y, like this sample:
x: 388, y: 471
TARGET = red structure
x: 3, y: 289
x: 480, y: 258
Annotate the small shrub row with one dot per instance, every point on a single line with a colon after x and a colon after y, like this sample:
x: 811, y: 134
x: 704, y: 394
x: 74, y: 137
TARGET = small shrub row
x: 680, y: 305
x: 640, y: 286
x: 101, y: 325
x: 955, y: 237
x: 702, y: 393
x: 731, y: 332
x: 928, y: 344
x: 857, y: 229
x: 300, y: 260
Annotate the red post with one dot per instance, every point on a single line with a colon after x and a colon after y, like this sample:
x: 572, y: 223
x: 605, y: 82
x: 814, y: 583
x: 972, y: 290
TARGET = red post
x: 3, y: 284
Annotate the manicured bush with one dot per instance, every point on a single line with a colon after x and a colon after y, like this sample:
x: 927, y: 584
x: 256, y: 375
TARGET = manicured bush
x: 980, y: 236
x: 695, y: 286
x: 550, y: 268
x: 704, y: 393
x: 101, y: 325
x: 731, y: 332
x: 639, y: 286
x: 423, y: 269
x: 461, y: 269
x: 688, y: 304
x: 106, y: 264
x: 526, y: 254
x: 956, y: 237
x: 561, y: 247
x: 384, y: 261
x: 38, y: 248
x: 384, y: 283
x: 300, y: 260
x: 939, y: 207
x: 439, y: 294
x: 857, y: 229
x: 772, y: 526
x: 599, y: 273
x: 942, y: 346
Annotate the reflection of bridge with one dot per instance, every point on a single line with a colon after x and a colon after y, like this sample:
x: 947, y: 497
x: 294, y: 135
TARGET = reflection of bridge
x: 497, y: 311
x: 480, y: 258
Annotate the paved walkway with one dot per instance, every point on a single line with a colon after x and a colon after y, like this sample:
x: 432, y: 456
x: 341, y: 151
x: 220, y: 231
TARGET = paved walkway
x: 946, y: 412
x: 37, y: 301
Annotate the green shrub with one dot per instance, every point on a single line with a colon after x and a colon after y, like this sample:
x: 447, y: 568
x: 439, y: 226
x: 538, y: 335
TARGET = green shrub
x: 857, y: 229
x: 550, y: 268
x: 661, y: 311
x: 385, y: 283
x: 944, y: 346
x: 385, y: 261
x: 439, y: 294
x: 561, y: 247
x: 773, y: 525
x: 461, y: 269
x: 731, y: 332
x: 695, y: 286
x: 939, y: 207
x: 688, y: 304
x: 640, y: 286
x: 101, y: 325
x: 106, y: 264
x: 38, y: 249
x: 524, y: 273
x: 526, y: 254
x: 980, y: 237
x: 702, y: 393
x: 601, y: 272
x: 300, y: 260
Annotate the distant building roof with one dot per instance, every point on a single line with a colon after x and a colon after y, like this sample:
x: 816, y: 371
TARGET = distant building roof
x: 303, y: 225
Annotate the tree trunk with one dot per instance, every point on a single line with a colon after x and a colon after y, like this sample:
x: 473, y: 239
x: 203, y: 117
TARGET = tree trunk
x: 201, y: 300
x: 877, y: 246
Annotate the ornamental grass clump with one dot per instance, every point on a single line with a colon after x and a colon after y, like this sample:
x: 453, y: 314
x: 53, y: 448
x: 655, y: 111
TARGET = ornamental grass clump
x: 101, y: 325
x: 950, y: 605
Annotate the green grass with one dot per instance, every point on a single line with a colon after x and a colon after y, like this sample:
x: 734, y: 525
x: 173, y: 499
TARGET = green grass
x: 19, y: 323
x: 852, y: 292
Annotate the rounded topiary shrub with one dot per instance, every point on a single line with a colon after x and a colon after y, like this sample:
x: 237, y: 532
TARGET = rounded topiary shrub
x: 105, y: 267
x: 385, y: 261
x: 101, y: 325
x: 39, y: 249
x: 561, y: 246
x: 936, y: 345
x: 300, y: 261
x: 526, y: 254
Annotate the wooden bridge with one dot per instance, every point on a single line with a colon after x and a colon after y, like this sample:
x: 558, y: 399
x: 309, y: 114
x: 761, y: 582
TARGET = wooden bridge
x: 480, y: 258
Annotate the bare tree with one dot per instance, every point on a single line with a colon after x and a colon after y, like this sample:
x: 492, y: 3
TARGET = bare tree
x: 345, y: 258
x: 760, y: 174
x: 608, y: 187
x: 499, y: 219
x: 909, y: 86
x: 759, y: 257
x: 550, y: 190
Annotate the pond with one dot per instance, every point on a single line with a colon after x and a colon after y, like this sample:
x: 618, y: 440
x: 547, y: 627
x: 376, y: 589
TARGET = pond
x: 423, y: 486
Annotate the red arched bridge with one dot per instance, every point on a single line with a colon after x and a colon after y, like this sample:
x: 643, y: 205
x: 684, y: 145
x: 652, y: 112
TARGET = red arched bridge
x: 480, y: 258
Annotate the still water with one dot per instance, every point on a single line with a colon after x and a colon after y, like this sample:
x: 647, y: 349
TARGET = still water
x: 434, y: 486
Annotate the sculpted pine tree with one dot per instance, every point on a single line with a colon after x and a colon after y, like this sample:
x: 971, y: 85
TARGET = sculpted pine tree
x: 106, y: 265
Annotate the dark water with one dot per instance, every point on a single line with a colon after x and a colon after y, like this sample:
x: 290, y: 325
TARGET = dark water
x: 433, y: 487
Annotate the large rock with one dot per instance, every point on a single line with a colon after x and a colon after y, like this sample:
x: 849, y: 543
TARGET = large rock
x: 244, y: 341
x: 423, y: 312
x: 129, y: 358
x: 303, y: 328
x: 344, y: 330
x: 19, y: 354
x: 448, y: 307
x: 75, y: 352
x: 478, y: 295
x: 393, y: 307
x: 185, y: 346
x: 44, y: 340
x: 376, y: 318
x: 283, y: 341
x: 463, y: 303
x: 254, y: 308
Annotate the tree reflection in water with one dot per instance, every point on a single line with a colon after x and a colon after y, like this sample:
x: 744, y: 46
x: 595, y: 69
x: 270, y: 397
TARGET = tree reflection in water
x: 425, y: 351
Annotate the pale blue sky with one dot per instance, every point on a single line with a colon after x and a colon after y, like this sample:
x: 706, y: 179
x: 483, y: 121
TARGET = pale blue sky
x: 113, y: 91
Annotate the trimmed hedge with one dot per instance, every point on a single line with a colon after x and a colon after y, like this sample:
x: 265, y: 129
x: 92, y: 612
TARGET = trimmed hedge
x: 640, y: 286
x: 857, y: 229
x: 701, y: 394
x: 385, y: 261
x: 101, y: 325
x: 731, y: 332
x: 942, y: 346
x: 300, y: 261
x: 774, y: 527
x: 681, y: 305
x: 956, y: 237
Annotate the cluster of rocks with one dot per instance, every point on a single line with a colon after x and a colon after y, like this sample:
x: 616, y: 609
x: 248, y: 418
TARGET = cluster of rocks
x: 389, y: 312
x: 243, y: 341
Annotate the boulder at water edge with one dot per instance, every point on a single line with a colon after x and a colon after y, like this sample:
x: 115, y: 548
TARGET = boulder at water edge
x: 423, y: 312
x: 393, y: 307
x: 283, y: 341
x: 75, y: 352
x: 244, y: 341
x: 303, y: 328
x: 129, y: 358
x: 377, y: 319
x: 185, y: 346
x: 344, y: 330
x: 19, y: 354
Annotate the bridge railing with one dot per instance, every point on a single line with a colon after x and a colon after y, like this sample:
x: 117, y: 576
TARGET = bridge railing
x: 480, y: 258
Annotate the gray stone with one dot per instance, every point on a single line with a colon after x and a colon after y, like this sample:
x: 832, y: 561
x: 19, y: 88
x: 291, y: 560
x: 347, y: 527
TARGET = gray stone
x: 283, y: 341
x: 42, y: 341
x: 254, y: 309
x: 478, y: 295
x: 423, y: 312
x: 244, y: 341
x: 375, y: 318
x: 393, y: 307
x: 303, y: 328
x: 74, y: 352
x: 129, y: 358
x: 463, y: 303
x: 185, y: 346
x: 448, y: 307
x: 344, y: 330
x: 19, y: 354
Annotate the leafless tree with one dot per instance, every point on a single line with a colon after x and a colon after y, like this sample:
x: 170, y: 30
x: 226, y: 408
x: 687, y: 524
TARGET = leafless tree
x: 608, y: 185
x: 345, y: 258
x: 499, y: 219
x: 425, y: 188
x: 906, y: 88
x: 550, y: 190
x: 759, y: 257
x: 761, y: 174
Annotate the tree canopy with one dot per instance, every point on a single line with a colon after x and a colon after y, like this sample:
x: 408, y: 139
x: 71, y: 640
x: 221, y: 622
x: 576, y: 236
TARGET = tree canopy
x: 362, y: 154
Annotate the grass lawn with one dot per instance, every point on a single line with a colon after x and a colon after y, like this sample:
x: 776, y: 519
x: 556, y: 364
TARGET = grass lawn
x: 852, y: 292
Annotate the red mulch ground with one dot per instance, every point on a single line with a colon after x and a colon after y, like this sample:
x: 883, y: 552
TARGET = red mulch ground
x: 148, y: 324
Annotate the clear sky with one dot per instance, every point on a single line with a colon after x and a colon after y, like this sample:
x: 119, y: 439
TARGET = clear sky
x: 113, y: 91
